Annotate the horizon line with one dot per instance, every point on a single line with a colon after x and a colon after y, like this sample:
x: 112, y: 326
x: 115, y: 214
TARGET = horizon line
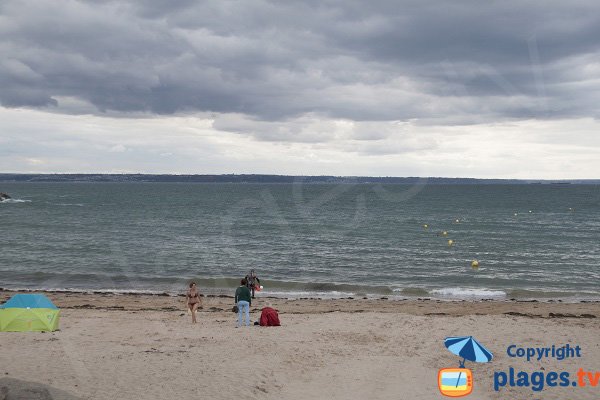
x: 287, y: 176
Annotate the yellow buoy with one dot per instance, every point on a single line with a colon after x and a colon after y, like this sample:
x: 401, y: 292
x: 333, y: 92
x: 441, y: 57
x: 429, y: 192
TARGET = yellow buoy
x: 516, y: 214
x: 530, y: 211
x: 475, y: 264
x: 425, y: 226
x: 457, y: 221
x: 444, y: 233
x: 450, y: 242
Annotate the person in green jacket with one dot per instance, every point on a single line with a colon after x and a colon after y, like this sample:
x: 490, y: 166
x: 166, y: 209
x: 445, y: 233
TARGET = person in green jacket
x: 243, y: 299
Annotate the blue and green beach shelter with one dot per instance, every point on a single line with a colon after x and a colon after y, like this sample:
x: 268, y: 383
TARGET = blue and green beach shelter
x: 28, y: 312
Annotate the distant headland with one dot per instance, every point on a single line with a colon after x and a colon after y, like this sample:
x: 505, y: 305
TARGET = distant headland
x: 258, y: 178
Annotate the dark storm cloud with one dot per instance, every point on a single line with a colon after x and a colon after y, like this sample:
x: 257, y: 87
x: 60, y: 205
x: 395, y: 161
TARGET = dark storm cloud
x: 438, y: 62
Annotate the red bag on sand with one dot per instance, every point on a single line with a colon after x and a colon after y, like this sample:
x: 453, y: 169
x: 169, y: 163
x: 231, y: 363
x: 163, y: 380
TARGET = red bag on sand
x: 269, y: 317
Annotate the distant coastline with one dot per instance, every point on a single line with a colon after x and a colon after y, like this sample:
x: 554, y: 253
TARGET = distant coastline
x: 285, y: 179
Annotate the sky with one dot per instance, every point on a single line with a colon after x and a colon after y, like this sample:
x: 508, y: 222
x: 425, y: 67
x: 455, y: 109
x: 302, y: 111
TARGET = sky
x: 498, y: 89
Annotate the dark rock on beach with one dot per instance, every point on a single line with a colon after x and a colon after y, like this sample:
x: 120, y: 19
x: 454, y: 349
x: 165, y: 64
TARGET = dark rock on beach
x: 19, y: 389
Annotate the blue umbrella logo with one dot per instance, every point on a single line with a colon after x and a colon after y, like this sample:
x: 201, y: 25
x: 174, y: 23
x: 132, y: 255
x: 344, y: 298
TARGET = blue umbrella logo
x: 469, y: 349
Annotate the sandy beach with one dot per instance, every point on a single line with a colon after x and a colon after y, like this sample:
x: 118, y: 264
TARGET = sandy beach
x: 144, y: 347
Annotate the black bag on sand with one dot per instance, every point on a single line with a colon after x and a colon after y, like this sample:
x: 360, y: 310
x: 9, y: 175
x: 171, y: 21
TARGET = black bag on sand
x: 235, y: 309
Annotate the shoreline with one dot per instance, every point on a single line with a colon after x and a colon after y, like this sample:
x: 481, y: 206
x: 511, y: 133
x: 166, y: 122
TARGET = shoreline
x: 221, y: 304
x: 282, y: 295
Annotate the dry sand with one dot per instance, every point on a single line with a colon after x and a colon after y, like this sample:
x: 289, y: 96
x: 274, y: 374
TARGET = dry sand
x: 145, y: 347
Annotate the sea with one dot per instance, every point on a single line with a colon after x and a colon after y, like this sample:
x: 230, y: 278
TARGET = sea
x: 531, y: 241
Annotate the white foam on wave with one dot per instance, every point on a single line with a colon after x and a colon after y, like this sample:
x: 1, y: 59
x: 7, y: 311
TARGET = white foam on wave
x: 89, y: 291
x: 297, y: 294
x: 468, y: 293
x: 9, y: 201
x: 211, y: 291
x: 129, y: 291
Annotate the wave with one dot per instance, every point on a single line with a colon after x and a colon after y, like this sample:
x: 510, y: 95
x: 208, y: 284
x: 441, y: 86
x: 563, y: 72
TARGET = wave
x: 469, y: 293
x: 125, y: 282
x: 14, y: 201
x: 309, y: 294
x: 269, y: 291
x: 91, y: 291
x: 412, y: 291
x: 537, y: 294
x: 151, y: 284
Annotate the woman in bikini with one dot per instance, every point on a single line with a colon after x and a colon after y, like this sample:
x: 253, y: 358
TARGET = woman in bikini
x: 193, y: 300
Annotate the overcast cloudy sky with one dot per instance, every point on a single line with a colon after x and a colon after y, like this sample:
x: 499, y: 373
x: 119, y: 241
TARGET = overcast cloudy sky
x: 507, y: 89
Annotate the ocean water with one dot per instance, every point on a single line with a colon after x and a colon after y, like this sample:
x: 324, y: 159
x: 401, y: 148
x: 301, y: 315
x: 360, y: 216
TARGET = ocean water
x: 304, y: 240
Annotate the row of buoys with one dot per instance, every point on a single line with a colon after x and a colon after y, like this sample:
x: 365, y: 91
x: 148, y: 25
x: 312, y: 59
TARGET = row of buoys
x: 444, y: 233
x: 474, y: 263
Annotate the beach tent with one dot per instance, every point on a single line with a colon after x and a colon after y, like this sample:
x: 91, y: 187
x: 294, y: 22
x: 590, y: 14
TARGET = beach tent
x: 28, y: 312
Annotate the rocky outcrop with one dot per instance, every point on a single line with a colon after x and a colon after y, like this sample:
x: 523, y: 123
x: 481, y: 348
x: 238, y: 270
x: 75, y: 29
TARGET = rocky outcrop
x: 4, y: 196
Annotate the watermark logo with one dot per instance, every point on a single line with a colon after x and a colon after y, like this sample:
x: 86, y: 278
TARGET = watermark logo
x: 545, y: 379
x: 455, y: 382
x: 458, y: 382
